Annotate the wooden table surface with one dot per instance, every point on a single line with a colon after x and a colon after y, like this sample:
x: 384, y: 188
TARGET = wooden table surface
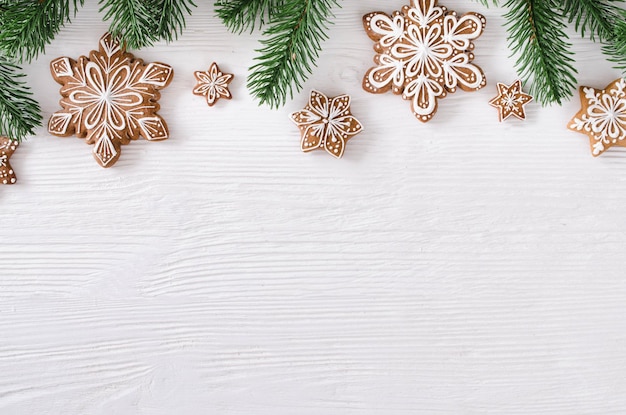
x: 463, y: 266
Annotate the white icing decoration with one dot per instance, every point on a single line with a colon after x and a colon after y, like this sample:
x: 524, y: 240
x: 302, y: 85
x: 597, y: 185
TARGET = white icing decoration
x: 424, y: 52
x: 213, y: 84
x: 62, y: 67
x: 110, y: 98
x: 511, y: 100
x: 59, y: 122
x: 7, y: 146
x: 153, y: 128
x: 326, y: 123
x: 604, y: 121
x: 104, y: 149
x: 156, y: 74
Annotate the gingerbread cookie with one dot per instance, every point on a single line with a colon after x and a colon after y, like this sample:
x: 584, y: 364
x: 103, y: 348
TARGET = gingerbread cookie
x: 213, y: 84
x: 326, y: 123
x: 423, y: 52
x: 109, y: 98
x: 602, y: 116
x: 7, y: 147
x: 511, y: 100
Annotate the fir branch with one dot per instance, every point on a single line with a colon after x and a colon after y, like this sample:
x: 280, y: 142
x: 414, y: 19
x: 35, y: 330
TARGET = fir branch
x: 141, y: 23
x: 290, y: 50
x: 616, y: 48
x: 536, y: 34
x: 19, y: 112
x: 29, y: 25
x: 132, y: 20
x: 596, y: 16
x: 171, y: 14
x: 242, y: 15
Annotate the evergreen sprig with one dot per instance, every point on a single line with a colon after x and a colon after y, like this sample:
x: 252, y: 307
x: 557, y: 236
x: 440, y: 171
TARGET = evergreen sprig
x: 19, y: 112
x: 616, y: 47
x: 536, y: 35
x: 27, y: 26
x: 241, y: 15
x: 597, y: 17
x: 141, y: 23
x: 292, y: 41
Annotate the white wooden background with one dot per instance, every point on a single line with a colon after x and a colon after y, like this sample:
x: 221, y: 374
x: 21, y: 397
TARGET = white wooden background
x: 458, y: 267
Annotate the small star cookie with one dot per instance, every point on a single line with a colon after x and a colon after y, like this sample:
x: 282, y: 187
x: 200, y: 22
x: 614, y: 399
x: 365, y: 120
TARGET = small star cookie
x: 326, y: 123
x: 423, y: 52
x: 7, y: 147
x: 109, y: 98
x: 213, y: 84
x: 510, y: 101
x: 602, y: 116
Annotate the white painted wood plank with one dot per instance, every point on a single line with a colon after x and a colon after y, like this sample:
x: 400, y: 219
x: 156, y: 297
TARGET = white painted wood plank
x: 458, y: 267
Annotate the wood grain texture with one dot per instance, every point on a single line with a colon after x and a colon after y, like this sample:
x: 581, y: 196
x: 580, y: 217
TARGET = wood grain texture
x: 459, y: 267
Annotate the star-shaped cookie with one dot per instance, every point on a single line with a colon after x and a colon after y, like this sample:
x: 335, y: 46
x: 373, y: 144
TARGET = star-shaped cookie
x: 7, y: 147
x: 602, y: 116
x: 326, y: 123
x: 109, y: 98
x: 213, y: 84
x: 423, y: 52
x: 511, y: 100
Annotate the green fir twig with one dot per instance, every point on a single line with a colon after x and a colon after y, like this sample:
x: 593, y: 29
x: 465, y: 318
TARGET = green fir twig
x: 536, y: 35
x: 243, y: 15
x: 598, y: 17
x: 141, y: 23
x: 616, y: 47
x: 292, y: 41
x: 27, y: 26
x: 171, y: 17
x: 19, y: 112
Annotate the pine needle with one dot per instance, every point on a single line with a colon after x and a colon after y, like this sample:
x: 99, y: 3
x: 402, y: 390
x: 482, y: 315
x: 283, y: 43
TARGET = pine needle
x: 292, y: 45
x: 141, y: 23
x: 536, y: 35
x: 616, y: 47
x: 243, y: 15
x: 29, y: 25
x: 171, y: 17
x: 19, y: 112
x: 598, y: 17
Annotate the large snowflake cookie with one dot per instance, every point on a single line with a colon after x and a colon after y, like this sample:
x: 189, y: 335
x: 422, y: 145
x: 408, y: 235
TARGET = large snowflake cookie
x: 423, y: 52
x: 7, y: 147
x: 602, y: 116
x: 109, y: 98
x: 326, y: 123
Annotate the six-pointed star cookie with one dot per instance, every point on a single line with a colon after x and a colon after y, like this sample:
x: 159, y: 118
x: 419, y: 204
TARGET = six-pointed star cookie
x: 423, y: 53
x: 7, y: 147
x: 213, y: 84
x: 511, y: 100
x: 602, y: 116
x: 326, y: 123
x: 109, y: 98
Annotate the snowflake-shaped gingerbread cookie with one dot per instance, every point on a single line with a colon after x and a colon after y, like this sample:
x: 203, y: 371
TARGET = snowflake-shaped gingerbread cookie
x: 213, y: 84
x: 109, y: 98
x: 7, y: 147
x: 326, y: 123
x: 511, y: 101
x: 602, y: 116
x: 424, y: 52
